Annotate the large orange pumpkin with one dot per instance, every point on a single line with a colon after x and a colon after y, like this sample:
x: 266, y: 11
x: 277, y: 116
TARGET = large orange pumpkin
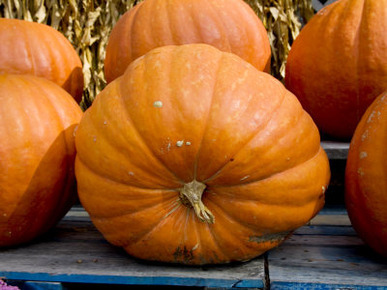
x: 194, y: 156
x: 229, y: 25
x: 337, y: 65
x: 38, y: 49
x: 366, y: 176
x: 37, y: 152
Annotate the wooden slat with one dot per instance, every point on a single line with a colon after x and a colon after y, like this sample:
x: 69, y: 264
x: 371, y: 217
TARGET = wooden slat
x: 75, y: 252
x: 325, y: 257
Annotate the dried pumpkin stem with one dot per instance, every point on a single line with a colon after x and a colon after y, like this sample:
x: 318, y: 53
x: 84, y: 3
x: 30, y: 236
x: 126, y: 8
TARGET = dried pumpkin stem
x: 191, y: 195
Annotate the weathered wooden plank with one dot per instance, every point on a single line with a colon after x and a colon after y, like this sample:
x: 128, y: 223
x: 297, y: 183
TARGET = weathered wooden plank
x: 317, y: 261
x: 76, y: 252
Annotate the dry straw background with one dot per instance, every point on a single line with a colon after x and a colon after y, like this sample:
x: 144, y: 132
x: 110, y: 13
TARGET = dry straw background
x: 87, y: 25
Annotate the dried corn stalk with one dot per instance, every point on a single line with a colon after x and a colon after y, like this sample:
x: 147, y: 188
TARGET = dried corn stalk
x: 87, y: 24
x: 283, y: 20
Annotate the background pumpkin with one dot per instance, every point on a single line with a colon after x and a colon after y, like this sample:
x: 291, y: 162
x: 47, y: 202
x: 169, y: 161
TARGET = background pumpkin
x: 37, y: 152
x: 38, y: 49
x: 229, y: 25
x: 337, y: 65
x: 187, y: 119
x: 366, y: 177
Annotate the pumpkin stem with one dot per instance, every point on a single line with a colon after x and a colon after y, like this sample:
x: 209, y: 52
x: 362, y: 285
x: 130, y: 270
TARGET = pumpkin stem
x: 191, y: 195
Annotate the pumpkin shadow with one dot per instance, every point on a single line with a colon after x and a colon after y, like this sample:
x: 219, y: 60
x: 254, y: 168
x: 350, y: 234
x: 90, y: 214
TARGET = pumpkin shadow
x: 49, y: 195
x: 74, y: 84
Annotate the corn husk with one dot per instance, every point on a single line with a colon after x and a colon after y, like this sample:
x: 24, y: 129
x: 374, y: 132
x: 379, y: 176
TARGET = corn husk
x: 87, y: 25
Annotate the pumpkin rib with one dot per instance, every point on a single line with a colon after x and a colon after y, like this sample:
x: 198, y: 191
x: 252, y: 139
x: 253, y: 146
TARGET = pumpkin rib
x: 258, y: 129
x: 274, y: 208
x: 169, y: 25
x: 359, y: 66
x: 356, y: 40
x: 169, y: 215
x: 153, y: 15
x: 142, y: 225
x: 113, y: 144
x: 253, y: 135
x: 195, y: 167
x: 219, y: 22
x: 172, y: 201
x: 216, y: 241
x: 129, y: 186
x: 242, y: 245
x: 227, y: 215
x: 127, y: 113
x: 173, y: 207
x: 274, y: 174
x: 29, y: 48
x: 114, y: 180
x: 209, y: 233
x: 193, y: 218
x: 241, y: 224
x: 51, y: 102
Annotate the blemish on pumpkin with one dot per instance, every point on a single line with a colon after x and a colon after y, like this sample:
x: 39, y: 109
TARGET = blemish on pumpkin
x: 371, y: 116
x: 288, y: 159
x: 179, y: 143
x: 105, y: 123
x: 183, y: 254
x: 364, y: 136
x: 363, y: 154
x: 94, y: 139
x: 130, y: 173
x: 244, y: 178
x: 323, y: 188
x: 195, y: 247
x: 157, y: 64
x: 360, y: 172
x: 239, y: 80
x: 75, y: 131
x: 188, y: 143
x: 158, y: 104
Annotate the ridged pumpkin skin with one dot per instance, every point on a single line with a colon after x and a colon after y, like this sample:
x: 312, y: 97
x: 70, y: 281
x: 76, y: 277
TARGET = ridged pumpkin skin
x: 366, y: 177
x: 229, y: 25
x: 337, y: 65
x: 37, y: 152
x: 38, y: 49
x: 183, y: 119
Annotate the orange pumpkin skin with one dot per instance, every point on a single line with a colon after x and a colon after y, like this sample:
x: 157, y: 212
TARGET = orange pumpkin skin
x: 37, y: 152
x: 38, y: 49
x: 229, y: 25
x: 366, y: 177
x: 186, y: 117
x: 337, y: 65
